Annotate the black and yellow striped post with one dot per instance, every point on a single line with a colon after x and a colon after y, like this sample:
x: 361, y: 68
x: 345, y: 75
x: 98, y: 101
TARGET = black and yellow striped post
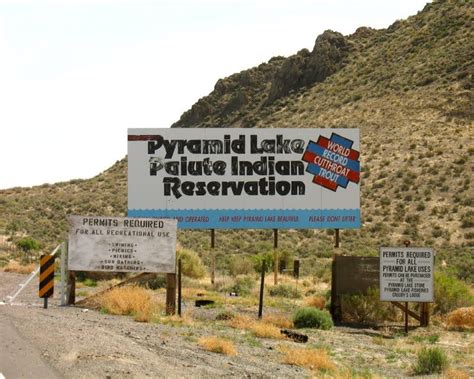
x: 46, y: 282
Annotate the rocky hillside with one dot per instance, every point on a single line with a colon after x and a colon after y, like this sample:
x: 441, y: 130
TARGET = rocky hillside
x: 409, y: 90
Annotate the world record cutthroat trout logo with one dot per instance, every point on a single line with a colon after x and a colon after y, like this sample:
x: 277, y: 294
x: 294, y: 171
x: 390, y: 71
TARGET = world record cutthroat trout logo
x: 332, y: 161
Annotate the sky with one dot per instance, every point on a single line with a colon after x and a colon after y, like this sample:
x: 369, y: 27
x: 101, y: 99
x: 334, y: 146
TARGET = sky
x: 76, y: 74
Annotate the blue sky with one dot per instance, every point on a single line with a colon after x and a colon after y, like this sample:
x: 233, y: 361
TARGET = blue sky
x: 74, y: 75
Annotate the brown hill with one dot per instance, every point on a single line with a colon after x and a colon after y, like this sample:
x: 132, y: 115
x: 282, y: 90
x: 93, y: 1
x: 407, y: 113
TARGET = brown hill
x: 409, y: 90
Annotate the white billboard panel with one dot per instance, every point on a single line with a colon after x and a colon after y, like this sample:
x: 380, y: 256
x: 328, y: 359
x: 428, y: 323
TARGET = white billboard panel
x: 245, y: 178
x: 118, y: 244
x: 406, y: 274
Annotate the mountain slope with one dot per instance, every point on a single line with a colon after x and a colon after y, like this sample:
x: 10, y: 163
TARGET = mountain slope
x: 409, y: 90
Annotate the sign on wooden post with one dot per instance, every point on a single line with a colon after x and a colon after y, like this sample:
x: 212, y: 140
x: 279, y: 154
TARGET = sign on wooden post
x: 46, y: 282
x: 406, y: 274
x: 46, y: 285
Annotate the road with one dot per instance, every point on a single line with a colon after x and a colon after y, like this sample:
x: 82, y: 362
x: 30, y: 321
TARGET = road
x: 18, y: 357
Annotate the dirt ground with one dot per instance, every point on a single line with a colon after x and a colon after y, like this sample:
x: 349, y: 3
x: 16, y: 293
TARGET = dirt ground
x: 82, y: 343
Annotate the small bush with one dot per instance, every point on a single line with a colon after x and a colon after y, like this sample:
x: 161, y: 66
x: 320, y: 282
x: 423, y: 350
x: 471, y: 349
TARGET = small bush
x: 191, y: 264
x: 133, y: 301
x: 90, y: 282
x: 243, y: 285
x: 284, y: 290
x: 431, y: 361
x: 14, y: 266
x: 225, y: 316
x: 461, y: 318
x: 316, y: 302
x: 158, y: 281
x: 312, y: 318
x: 217, y: 345
x: 450, y: 293
x: 240, y: 265
x: 368, y: 308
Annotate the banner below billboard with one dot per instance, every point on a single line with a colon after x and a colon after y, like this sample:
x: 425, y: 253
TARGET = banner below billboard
x: 245, y: 178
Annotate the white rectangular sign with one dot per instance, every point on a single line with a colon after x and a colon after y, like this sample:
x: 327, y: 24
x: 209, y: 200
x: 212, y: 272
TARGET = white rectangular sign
x: 120, y: 244
x: 245, y: 178
x: 406, y: 274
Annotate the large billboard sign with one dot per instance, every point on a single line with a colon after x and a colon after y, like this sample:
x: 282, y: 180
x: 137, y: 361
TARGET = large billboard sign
x: 406, y: 274
x: 245, y: 178
x: 118, y: 244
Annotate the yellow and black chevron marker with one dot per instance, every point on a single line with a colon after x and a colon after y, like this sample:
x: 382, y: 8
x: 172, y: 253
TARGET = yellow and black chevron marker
x: 46, y: 282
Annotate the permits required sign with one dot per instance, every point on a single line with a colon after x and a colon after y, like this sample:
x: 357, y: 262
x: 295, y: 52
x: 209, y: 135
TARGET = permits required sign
x: 120, y: 244
x: 406, y: 274
x: 245, y: 178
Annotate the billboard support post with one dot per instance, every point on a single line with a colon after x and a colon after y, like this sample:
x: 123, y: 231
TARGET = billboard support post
x: 275, y: 256
x: 71, y: 288
x: 179, y: 287
x: 337, y: 239
x: 262, y: 287
x: 213, y: 256
x: 170, y: 294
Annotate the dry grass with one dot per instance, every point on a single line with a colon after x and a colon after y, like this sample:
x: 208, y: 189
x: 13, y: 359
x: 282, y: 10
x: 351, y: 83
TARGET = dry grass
x: 461, y: 318
x: 316, y: 301
x: 186, y: 319
x: 134, y: 301
x: 14, y: 266
x: 217, y: 345
x: 241, y: 322
x: 456, y: 374
x: 278, y: 320
x: 264, y: 330
x: 313, y: 359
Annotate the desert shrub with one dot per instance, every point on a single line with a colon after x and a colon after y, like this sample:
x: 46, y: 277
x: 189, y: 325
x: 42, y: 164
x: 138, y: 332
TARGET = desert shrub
x: 312, y: 318
x: 461, y: 318
x: 284, y: 290
x: 240, y: 265
x: 316, y: 302
x: 191, y: 264
x: 28, y: 246
x: 366, y: 308
x: 430, y: 361
x: 158, y: 281
x: 88, y: 282
x: 217, y: 345
x: 243, y: 285
x: 14, y: 266
x: 467, y: 219
x: 450, y: 293
x: 261, y: 258
x: 225, y: 315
